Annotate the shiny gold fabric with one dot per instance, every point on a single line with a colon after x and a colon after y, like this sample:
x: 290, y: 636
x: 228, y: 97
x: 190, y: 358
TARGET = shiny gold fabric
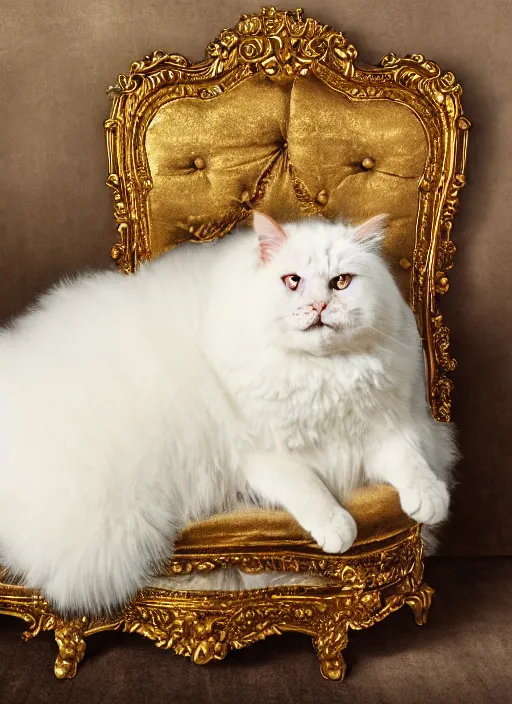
x: 310, y: 148
x: 376, y: 511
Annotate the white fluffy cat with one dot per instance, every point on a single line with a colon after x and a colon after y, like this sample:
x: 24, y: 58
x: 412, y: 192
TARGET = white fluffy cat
x: 282, y: 367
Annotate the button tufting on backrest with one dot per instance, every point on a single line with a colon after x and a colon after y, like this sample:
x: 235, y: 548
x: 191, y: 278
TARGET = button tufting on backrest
x: 239, y: 147
x: 322, y: 197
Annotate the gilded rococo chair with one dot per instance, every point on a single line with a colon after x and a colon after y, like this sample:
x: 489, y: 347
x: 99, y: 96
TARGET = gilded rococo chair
x: 280, y: 115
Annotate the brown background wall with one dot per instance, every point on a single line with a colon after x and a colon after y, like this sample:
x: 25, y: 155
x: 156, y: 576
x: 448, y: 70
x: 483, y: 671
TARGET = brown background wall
x: 57, y: 59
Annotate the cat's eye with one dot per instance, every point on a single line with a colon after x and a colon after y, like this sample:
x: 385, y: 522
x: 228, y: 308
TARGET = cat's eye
x: 340, y: 282
x: 292, y: 281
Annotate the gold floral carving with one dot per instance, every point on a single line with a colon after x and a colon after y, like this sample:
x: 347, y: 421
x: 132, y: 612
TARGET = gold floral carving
x: 282, y: 45
x: 364, y: 587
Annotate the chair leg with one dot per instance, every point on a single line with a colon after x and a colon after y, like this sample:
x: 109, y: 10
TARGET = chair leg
x: 329, y: 645
x: 71, y: 644
x: 420, y: 603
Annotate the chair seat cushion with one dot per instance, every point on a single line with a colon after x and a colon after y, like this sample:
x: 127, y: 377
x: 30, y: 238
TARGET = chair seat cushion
x: 376, y: 510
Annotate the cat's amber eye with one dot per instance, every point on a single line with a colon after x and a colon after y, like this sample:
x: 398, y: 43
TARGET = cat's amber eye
x: 340, y: 282
x: 292, y: 281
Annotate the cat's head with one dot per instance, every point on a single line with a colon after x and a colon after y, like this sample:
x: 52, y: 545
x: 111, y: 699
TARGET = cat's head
x: 323, y: 287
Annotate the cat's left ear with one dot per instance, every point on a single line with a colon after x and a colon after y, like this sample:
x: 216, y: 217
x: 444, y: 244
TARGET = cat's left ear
x: 373, y: 230
x: 271, y: 236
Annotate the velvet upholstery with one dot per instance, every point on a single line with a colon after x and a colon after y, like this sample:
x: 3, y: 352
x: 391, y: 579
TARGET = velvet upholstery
x: 376, y: 511
x: 352, y: 159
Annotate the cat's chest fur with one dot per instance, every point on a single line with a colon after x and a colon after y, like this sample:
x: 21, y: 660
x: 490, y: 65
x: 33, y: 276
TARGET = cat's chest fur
x: 314, y: 403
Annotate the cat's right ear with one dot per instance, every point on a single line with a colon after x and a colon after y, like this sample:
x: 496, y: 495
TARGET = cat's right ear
x: 271, y: 236
x: 372, y: 231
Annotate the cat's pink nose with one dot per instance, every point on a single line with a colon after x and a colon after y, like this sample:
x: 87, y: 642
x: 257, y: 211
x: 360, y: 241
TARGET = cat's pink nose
x: 319, y: 306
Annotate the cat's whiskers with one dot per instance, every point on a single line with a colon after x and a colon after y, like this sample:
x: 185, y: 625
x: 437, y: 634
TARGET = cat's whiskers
x: 390, y: 337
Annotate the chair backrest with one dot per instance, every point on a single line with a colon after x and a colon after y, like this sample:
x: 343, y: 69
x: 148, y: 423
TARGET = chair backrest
x: 281, y: 116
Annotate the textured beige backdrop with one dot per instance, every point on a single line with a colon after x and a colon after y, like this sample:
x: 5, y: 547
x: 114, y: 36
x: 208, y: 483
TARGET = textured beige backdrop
x: 58, y: 57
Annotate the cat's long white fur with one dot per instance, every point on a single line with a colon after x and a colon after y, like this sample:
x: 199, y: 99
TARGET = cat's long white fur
x: 130, y: 406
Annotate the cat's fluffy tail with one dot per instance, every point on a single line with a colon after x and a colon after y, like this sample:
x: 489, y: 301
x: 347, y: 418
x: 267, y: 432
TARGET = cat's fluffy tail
x: 92, y: 560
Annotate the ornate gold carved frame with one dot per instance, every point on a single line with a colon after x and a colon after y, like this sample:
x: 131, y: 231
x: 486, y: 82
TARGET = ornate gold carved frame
x: 367, y: 585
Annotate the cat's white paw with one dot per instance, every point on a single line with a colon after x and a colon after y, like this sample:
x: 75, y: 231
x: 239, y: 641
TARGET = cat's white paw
x: 426, y: 501
x: 335, y: 532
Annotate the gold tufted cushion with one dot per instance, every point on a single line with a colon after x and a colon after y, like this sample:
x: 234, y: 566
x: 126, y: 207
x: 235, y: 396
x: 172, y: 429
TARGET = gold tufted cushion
x: 295, y: 147
x: 376, y: 510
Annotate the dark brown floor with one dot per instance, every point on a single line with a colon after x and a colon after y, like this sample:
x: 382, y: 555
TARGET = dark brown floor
x: 464, y: 655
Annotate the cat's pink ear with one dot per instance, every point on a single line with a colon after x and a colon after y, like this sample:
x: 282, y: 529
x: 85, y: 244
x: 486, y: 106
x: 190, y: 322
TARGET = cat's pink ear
x: 372, y: 230
x: 271, y: 236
